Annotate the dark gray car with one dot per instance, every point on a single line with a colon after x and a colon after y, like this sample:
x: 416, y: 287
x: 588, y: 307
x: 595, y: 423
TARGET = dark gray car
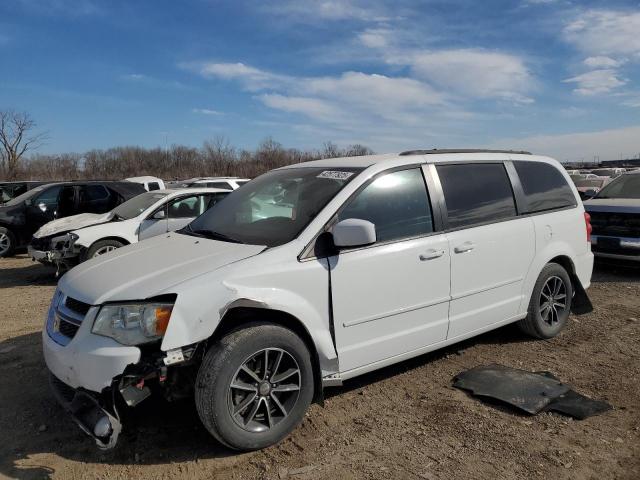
x: 615, y: 218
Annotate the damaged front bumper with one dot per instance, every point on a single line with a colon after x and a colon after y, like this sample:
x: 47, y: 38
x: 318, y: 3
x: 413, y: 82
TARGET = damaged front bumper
x: 60, y: 251
x: 95, y: 414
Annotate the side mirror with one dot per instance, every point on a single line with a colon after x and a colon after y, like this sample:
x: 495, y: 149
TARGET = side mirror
x: 353, y: 232
x: 159, y: 215
x: 42, y: 207
x: 590, y: 193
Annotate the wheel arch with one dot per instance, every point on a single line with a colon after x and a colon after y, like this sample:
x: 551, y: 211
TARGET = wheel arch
x: 240, y: 316
x: 581, y: 303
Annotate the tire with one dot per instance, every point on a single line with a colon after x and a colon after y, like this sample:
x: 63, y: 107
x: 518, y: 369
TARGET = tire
x: 272, y: 420
x: 543, y: 320
x: 101, y: 247
x: 8, y: 242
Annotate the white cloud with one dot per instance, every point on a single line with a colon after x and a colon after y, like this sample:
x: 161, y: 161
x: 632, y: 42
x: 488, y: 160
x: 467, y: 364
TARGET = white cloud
x: 206, y: 111
x: 252, y: 78
x: 605, y: 32
x: 312, y: 107
x: 572, y: 112
x: 474, y: 73
x: 596, y: 82
x: 133, y: 76
x: 375, y: 37
x: 375, y: 92
x: 607, y: 144
x: 312, y: 10
x: 602, y: 62
x: 340, y: 99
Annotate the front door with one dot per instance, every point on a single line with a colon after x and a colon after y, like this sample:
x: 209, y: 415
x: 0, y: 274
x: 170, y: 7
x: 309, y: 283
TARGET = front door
x: 391, y: 297
x: 154, y: 224
x: 42, y: 209
x: 491, y: 248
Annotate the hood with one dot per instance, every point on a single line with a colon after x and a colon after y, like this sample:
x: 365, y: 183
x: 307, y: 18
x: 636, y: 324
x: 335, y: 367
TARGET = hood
x: 149, y: 268
x: 617, y: 205
x: 73, y: 222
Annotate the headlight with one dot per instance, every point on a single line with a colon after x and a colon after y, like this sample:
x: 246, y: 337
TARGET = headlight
x: 133, y: 324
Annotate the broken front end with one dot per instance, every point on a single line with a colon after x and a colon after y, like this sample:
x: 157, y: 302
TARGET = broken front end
x: 57, y: 250
x: 96, y: 378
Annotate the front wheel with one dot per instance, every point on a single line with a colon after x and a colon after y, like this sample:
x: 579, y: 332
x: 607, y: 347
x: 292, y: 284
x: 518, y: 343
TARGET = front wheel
x: 254, y: 386
x: 7, y: 242
x: 101, y: 247
x: 550, y: 303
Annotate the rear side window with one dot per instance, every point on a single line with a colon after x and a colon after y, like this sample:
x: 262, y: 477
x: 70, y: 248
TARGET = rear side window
x: 396, y: 203
x: 154, y: 186
x: 223, y: 185
x: 94, y: 192
x: 476, y: 193
x: 545, y: 188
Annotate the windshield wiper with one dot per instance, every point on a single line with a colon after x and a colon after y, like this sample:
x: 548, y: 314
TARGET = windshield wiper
x: 210, y: 234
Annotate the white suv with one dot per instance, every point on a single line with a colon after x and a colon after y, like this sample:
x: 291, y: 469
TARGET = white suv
x: 313, y: 274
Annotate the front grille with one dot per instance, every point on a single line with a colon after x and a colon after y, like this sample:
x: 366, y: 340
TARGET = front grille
x: 68, y: 329
x: 77, y: 306
x: 65, y: 318
x: 615, y: 224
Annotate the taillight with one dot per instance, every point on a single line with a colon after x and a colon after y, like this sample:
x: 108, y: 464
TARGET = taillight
x: 587, y: 223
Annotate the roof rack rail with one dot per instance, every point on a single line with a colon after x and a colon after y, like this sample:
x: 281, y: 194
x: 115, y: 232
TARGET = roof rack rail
x: 460, y: 150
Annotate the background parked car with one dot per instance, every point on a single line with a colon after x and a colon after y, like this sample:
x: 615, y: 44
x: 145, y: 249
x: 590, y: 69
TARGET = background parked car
x: 72, y: 240
x: 226, y: 183
x: 148, y: 182
x: 9, y: 190
x: 589, y: 187
x: 23, y: 215
x: 608, y: 172
x: 615, y: 218
x: 581, y: 176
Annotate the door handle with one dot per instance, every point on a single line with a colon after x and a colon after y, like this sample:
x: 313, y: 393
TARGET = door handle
x: 430, y: 254
x: 465, y: 247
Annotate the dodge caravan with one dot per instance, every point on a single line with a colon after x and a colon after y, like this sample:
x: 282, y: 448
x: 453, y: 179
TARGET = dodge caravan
x: 313, y: 274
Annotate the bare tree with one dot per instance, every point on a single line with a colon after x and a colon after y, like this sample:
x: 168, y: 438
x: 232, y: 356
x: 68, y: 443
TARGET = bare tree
x: 17, y: 137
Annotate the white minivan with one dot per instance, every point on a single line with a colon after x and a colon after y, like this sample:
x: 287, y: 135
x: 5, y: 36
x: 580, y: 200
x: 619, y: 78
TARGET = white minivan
x: 313, y: 274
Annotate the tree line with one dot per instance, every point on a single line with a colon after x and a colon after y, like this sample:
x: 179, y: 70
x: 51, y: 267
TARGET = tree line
x: 215, y: 158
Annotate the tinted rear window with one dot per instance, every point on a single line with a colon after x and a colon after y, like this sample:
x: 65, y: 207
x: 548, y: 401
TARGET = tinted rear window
x: 545, y: 188
x: 476, y: 193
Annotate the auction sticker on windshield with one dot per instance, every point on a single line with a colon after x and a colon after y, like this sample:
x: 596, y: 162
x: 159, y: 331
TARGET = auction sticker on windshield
x: 335, y: 174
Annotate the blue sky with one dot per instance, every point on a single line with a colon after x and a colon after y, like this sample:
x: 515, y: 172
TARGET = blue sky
x: 553, y: 76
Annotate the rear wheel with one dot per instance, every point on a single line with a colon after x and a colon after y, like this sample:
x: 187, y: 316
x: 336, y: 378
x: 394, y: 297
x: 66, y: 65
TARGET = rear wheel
x: 101, y: 247
x: 550, y: 303
x: 254, y: 386
x: 7, y: 242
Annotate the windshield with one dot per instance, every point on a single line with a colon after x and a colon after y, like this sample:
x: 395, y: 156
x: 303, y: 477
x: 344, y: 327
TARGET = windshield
x: 274, y: 208
x: 625, y: 186
x: 25, y: 196
x: 134, y: 207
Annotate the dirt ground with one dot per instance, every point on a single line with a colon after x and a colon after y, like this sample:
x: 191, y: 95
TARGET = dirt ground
x: 405, y: 421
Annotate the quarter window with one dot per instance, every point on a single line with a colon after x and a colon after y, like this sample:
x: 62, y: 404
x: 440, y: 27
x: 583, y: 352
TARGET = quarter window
x: 396, y: 203
x: 545, y: 188
x: 476, y: 193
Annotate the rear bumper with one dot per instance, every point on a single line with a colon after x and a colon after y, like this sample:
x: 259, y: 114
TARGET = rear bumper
x: 584, y: 268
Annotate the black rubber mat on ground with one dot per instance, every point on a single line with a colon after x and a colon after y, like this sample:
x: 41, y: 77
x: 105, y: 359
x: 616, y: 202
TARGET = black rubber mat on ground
x: 532, y: 392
